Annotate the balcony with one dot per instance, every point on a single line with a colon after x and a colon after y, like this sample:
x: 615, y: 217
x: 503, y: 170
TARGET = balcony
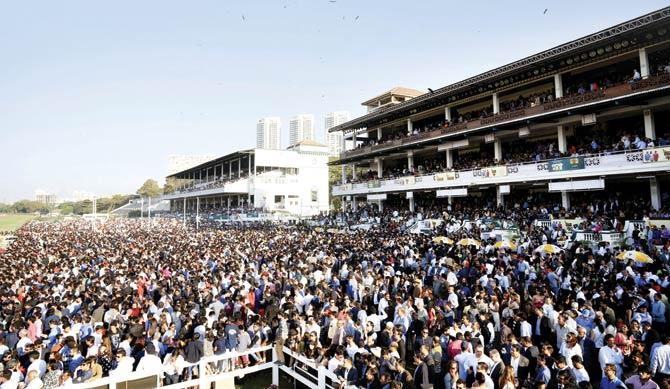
x: 628, y: 162
x: 239, y: 186
x: 507, y: 117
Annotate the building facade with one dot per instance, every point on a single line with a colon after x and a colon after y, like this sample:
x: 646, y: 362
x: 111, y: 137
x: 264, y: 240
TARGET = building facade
x: 301, y: 127
x: 293, y: 181
x: 592, y: 114
x: 46, y: 198
x: 268, y: 133
x: 331, y: 120
x: 177, y: 163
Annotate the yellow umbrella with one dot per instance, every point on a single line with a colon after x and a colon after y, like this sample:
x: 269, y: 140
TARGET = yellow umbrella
x: 548, y: 248
x: 636, y: 256
x: 468, y: 242
x: 505, y: 244
x: 442, y: 239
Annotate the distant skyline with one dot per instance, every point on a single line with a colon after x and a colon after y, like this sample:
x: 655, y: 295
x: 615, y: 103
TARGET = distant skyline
x: 95, y: 96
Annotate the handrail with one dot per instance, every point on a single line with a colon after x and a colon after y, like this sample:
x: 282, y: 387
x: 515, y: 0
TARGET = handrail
x: 585, y: 156
x: 111, y: 382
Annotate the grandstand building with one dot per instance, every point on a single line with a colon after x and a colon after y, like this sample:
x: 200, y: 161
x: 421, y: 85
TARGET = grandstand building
x: 293, y: 181
x: 592, y: 114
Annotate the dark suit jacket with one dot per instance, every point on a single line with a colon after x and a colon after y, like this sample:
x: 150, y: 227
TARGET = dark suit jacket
x: 351, y: 375
x: 496, y: 372
x: 545, y: 330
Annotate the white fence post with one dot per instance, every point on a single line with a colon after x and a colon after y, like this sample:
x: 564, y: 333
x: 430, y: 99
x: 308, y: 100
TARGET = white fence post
x: 275, y: 368
x: 322, y: 377
x: 201, y: 374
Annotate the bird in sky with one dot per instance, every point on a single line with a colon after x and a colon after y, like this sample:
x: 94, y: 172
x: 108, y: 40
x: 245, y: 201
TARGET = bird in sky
x: 545, y: 11
x: 430, y: 90
x: 243, y: 17
x: 357, y: 17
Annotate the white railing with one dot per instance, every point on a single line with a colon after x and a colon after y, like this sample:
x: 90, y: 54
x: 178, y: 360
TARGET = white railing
x: 204, y: 379
x: 304, y: 372
x: 621, y: 162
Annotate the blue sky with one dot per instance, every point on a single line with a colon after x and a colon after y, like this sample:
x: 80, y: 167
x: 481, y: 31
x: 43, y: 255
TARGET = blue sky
x: 95, y: 95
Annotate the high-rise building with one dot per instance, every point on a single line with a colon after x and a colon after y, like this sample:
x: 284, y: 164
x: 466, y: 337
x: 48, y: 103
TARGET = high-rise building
x: 177, y: 163
x: 46, y: 198
x: 301, y: 127
x: 268, y: 133
x: 333, y: 119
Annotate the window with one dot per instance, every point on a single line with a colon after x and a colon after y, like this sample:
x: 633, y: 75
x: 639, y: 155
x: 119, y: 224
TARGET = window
x: 315, y: 196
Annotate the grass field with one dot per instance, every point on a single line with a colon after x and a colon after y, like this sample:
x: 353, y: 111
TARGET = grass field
x: 11, y: 222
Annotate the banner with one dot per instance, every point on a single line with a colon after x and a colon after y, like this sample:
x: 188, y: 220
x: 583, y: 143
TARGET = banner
x: 656, y: 155
x: 563, y: 164
x: 490, y: 172
x: 409, y: 180
x: 374, y: 184
x: 446, y: 176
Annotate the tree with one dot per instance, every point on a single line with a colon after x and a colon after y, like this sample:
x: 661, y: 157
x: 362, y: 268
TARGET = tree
x: 150, y: 188
x: 169, y: 186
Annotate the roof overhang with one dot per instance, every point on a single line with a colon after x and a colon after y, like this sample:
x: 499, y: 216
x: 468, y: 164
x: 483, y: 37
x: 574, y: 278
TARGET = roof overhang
x: 214, y: 162
x: 608, y: 34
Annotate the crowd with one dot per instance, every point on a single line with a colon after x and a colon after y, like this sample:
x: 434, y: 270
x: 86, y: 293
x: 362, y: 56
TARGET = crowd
x: 381, y: 309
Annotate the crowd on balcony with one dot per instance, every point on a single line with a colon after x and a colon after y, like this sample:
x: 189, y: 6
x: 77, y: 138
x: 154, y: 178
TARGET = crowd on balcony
x: 380, y: 309
x: 215, y: 182
x: 574, y: 87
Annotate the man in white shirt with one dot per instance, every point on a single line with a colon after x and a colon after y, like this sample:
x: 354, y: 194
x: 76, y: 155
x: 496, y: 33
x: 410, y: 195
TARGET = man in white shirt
x: 610, y: 354
x: 150, y: 362
x: 660, y: 360
x: 466, y: 361
x: 124, y: 366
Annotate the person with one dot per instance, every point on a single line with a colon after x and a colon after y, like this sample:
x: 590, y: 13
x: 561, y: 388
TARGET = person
x: 642, y: 380
x: 580, y: 373
x: 150, y: 362
x: 452, y: 375
x: 507, y: 380
x: 610, y: 354
x: 610, y: 380
x: 660, y: 360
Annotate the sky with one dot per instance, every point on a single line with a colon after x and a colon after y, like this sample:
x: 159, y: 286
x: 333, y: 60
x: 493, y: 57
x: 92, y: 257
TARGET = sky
x: 95, y: 96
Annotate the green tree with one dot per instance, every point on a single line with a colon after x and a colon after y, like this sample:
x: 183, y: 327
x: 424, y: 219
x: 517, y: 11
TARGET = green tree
x: 169, y: 186
x: 150, y: 188
x: 66, y: 208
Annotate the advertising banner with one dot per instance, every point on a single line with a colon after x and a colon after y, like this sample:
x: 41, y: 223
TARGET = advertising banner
x: 563, y: 164
x: 448, y: 176
x: 658, y: 154
x: 490, y: 172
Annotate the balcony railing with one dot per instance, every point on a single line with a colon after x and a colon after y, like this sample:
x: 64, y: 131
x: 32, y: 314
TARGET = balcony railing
x: 566, y: 102
x: 623, y: 162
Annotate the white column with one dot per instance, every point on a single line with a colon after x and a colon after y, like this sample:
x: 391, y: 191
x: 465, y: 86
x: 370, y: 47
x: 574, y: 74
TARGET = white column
x: 558, y: 86
x: 411, y: 201
x: 644, y: 63
x: 239, y: 167
x: 380, y: 203
x: 410, y: 126
x: 354, y: 203
x: 379, y: 133
x: 565, y: 200
x: 450, y: 158
x: 500, y: 201
x: 562, y: 140
x: 655, y: 192
x: 649, y: 125
x: 410, y: 161
x: 343, y: 143
x: 344, y: 174
x: 496, y: 103
x: 230, y: 170
x: 380, y: 167
x: 197, y: 213
x: 353, y: 171
x: 184, y: 215
x: 447, y: 114
x: 497, y: 150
